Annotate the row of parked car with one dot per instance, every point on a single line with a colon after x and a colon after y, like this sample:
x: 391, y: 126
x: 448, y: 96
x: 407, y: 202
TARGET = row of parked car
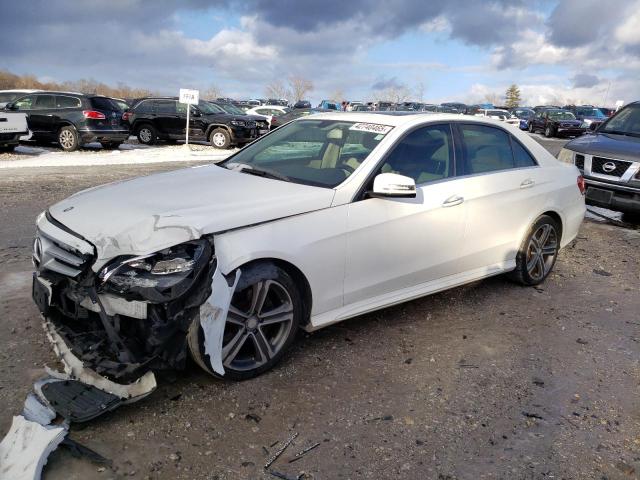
x: 73, y: 119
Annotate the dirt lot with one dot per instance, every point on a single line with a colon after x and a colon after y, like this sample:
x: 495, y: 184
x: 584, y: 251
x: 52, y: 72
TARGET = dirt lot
x: 490, y: 380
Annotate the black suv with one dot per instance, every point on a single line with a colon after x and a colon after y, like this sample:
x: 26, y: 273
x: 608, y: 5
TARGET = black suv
x: 609, y: 159
x: 72, y: 119
x: 165, y: 118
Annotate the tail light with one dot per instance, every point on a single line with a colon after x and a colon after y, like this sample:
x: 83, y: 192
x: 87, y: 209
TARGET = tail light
x: 93, y: 115
x: 581, y: 186
x: 126, y: 116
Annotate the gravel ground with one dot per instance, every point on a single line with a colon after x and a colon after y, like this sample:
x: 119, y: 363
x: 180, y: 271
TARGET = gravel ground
x: 486, y: 381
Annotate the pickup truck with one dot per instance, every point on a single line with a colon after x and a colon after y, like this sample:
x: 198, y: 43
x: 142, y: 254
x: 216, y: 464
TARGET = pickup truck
x: 13, y: 125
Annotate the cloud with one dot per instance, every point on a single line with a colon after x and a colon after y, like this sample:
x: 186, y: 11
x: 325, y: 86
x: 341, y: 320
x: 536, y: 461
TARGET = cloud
x: 385, y: 83
x: 584, y: 80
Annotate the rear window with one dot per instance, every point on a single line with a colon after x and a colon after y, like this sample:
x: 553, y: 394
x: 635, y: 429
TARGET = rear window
x: 64, y: 101
x: 103, y: 103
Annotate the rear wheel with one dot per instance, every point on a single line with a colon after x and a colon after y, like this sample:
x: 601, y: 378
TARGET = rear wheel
x: 147, y: 135
x: 548, y: 131
x: 531, y: 129
x: 263, y: 320
x: 68, y: 139
x: 538, y: 252
x: 220, y: 138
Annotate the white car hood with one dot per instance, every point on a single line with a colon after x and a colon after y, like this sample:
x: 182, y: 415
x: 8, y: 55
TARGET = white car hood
x: 147, y: 214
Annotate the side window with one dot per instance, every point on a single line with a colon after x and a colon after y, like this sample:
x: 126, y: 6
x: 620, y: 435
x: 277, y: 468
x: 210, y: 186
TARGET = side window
x: 425, y: 155
x: 145, y: 106
x: 486, y: 149
x: 521, y: 156
x: 44, y: 102
x: 167, y: 107
x: 67, y: 102
x: 25, y: 103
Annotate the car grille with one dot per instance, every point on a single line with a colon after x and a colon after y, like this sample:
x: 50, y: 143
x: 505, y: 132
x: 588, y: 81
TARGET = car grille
x: 567, y: 125
x: 579, y: 161
x: 250, y: 124
x: 603, y: 166
x: 52, y: 253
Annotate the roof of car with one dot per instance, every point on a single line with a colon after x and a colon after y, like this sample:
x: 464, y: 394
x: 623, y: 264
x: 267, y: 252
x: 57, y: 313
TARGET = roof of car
x: 398, y: 118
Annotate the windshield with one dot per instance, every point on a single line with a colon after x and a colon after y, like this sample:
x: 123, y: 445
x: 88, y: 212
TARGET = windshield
x: 524, y: 113
x: 208, y: 108
x: 322, y: 153
x: 561, y: 115
x: 590, y: 112
x: 230, y: 108
x: 7, y: 97
x: 626, y: 122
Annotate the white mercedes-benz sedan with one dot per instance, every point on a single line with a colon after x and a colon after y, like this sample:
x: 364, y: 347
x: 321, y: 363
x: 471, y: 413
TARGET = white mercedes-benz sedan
x: 325, y: 218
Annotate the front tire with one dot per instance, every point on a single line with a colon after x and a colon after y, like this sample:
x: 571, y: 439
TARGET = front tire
x: 531, y: 129
x: 68, y: 139
x: 265, y: 312
x: 147, y: 134
x: 538, y: 253
x: 220, y: 138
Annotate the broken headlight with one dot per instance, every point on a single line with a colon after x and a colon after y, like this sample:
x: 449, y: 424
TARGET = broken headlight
x: 159, y: 277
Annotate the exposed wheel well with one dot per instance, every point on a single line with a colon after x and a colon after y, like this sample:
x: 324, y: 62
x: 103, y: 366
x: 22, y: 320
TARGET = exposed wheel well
x: 298, y: 277
x: 557, y: 218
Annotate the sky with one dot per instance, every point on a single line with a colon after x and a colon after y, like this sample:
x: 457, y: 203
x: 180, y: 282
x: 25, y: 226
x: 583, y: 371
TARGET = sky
x: 567, y: 51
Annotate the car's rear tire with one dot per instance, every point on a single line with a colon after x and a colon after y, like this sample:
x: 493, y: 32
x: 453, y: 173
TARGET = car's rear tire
x: 266, y: 310
x: 538, y: 253
x: 147, y: 134
x: 531, y: 129
x: 548, y: 131
x: 68, y: 139
x: 110, y: 145
x: 220, y: 138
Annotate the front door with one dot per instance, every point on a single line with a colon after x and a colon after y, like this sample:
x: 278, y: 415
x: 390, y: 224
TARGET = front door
x: 398, y: 243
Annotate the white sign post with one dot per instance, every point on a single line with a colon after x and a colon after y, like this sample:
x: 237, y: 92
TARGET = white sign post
x: 190, y: 97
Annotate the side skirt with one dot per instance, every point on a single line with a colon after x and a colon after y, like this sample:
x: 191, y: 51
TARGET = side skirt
x: 407, y: 294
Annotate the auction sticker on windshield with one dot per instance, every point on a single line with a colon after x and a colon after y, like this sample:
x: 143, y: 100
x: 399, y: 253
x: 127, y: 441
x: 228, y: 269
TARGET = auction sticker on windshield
x: 371, y: 127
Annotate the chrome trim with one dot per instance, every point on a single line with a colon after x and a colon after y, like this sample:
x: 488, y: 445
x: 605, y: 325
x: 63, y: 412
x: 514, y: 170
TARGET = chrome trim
x: 627, y: 177
x: 613, y: 186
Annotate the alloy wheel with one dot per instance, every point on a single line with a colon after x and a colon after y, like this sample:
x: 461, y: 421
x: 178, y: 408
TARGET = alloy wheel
x: 66, y: 139
x: 145, y: 135
x: 541, y: 251
x: 218, y: 139
x: 258, y: 324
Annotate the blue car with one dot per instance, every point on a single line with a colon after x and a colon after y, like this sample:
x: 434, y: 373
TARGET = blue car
x: 524, y: 114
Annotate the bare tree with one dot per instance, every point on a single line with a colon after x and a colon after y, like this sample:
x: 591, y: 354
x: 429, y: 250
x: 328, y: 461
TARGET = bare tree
x: 420, y: 91
x: 212, y: 92
x: 337, y: 95
x: 493, y: 98
x: 276, y: 89
x: 299, y: 87
x: 395, y: 93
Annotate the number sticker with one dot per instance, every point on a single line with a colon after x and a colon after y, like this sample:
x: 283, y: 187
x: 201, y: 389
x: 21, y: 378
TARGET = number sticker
x: 371, y: 127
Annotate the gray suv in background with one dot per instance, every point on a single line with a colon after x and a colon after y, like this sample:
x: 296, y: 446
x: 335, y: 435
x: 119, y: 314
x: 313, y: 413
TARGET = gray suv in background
x: 609, y: 159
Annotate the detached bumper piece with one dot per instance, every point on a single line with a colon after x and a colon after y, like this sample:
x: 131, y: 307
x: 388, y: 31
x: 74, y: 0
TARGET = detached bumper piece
x: 77, y: 401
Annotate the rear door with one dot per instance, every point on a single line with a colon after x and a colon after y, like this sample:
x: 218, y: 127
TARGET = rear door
x: 503, y: 189
x: 168, y: 120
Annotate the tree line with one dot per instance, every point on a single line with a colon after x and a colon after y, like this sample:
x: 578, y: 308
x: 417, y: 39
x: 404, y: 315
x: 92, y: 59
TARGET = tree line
x: 10, y: 80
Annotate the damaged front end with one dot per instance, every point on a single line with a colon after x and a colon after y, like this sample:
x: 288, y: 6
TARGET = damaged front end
x: 131, y: 317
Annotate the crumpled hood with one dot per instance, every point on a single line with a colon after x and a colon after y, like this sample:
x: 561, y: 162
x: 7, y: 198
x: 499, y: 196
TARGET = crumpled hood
x: 607, y: 145
x: 146, y: 214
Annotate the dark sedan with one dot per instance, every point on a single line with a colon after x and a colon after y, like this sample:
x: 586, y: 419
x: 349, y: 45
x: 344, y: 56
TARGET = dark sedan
x: 556, y: 122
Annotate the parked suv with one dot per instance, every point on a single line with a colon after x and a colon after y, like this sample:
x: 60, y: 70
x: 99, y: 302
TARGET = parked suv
x: 73, y: 119
x: 165, y: 118
x: 555, y: 122
x: 609, y: 160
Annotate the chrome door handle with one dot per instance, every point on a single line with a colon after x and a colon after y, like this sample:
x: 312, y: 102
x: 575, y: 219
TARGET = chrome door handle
x: 452, y: 201
x: 528, y: 183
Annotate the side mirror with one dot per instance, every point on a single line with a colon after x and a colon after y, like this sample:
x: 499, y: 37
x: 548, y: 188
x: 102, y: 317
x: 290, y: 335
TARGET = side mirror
x: 10, y: 106
x: 393, y: 185
x: 195, y: 112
